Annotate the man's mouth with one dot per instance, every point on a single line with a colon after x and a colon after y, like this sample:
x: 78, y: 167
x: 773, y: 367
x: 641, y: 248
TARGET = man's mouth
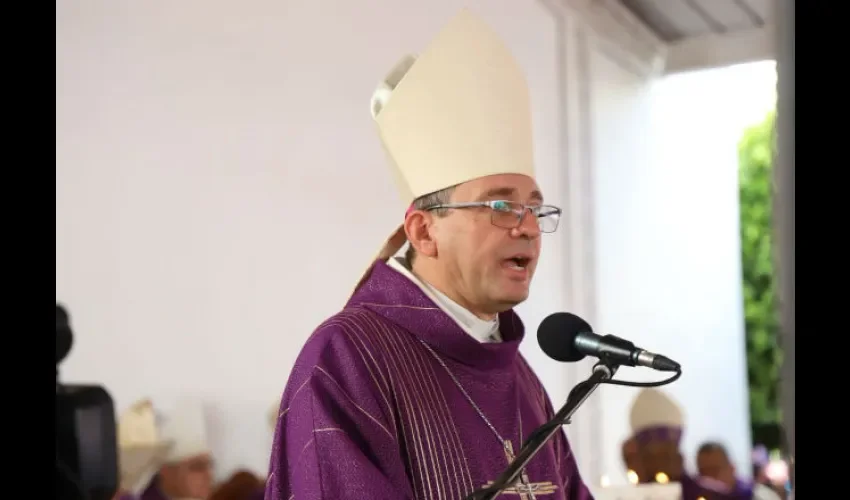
x: 518, y: 262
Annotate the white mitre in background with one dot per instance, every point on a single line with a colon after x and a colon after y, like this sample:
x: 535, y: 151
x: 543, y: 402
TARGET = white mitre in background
x: 185, y: 426
x: 141, y: 448
x: 656, y: 416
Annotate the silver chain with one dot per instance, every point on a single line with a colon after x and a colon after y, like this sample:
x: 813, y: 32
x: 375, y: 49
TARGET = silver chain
x: 505, y: 443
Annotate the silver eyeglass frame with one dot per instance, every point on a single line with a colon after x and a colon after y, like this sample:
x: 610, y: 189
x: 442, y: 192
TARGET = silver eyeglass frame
x: 518, y: 209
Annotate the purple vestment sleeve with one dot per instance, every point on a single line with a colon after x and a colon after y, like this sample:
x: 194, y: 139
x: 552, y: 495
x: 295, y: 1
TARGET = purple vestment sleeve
x: 335, y: 437
x: 576, y: 488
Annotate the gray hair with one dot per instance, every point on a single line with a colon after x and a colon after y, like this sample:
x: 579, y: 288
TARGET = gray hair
x: 440, y: 197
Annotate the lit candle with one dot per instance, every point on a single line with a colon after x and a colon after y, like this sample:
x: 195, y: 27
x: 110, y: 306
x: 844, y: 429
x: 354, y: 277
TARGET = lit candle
x: 633, y: 477
x: 662, y: 478
x: 605, y: 481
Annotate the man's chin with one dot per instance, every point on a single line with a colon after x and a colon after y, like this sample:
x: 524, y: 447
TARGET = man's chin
x: 509, y: 301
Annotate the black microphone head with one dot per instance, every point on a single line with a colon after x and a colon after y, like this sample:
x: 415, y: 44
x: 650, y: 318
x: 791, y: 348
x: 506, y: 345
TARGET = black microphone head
x: 64, y: 336
x: 557, y: 333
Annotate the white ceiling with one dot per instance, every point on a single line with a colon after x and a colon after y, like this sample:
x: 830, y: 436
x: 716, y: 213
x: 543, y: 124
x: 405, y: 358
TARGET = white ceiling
x: 678, y: 20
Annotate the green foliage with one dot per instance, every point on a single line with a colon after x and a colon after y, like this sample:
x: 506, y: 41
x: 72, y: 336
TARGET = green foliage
x: 764, y: 357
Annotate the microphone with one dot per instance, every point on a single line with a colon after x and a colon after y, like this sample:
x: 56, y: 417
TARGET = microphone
x: 566, y: 337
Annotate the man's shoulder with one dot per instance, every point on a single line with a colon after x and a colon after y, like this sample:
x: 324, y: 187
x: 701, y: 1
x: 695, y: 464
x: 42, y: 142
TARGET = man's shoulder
x: 351, y: 323
x: 343, y: 355
x: 354, y: 333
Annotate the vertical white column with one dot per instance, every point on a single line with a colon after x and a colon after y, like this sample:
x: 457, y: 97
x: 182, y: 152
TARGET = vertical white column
x: 583, y: 29
x: 784, y: 209
x: 576, y: 229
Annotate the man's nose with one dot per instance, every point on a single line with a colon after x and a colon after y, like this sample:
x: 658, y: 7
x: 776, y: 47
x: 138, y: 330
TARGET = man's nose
x: 528, y: 226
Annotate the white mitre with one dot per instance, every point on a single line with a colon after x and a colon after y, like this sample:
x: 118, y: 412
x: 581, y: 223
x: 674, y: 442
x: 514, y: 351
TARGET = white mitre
x: 457, y: 112
x: 186, y: 428
x: 656, y: 415
x: 141, y: 449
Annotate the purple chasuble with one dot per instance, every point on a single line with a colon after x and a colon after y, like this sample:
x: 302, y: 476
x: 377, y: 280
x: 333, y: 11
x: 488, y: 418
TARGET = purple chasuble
x: 696, y: 488
x: 369, y: 413
x: 152, y: 492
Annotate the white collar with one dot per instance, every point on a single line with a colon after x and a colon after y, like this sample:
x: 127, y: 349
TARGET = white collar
x: 481, y: 330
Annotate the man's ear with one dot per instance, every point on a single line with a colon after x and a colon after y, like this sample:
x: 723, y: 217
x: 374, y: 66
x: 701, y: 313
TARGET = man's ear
x: 418, y: 227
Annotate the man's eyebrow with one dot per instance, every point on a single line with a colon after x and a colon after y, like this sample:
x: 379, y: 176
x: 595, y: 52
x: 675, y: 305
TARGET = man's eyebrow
x: 501, y: 192
x: 509, y: 192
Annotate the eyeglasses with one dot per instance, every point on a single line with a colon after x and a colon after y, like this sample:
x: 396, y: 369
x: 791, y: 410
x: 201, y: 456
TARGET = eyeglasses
x: 509, y: 214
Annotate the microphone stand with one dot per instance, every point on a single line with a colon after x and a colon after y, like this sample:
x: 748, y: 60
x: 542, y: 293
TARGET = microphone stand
x: 602, y: 372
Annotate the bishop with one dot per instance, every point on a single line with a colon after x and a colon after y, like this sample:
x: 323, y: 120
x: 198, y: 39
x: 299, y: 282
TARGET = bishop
x: 416, y: 389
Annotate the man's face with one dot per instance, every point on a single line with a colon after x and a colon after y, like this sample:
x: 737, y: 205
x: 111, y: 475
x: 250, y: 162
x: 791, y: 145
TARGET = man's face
x: 631, y: 454
x: 660, y: 456
x: 715, y: 464
x: 190, y: 478
x: 475, y: 256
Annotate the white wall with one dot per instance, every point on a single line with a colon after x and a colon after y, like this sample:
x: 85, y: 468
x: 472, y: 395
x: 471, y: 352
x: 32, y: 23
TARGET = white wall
x: 667, y: 226
x: 220, y: 188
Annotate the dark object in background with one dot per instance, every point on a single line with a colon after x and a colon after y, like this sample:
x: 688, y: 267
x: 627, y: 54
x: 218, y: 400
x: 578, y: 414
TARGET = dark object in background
x: 242, y: 485
x: 770, y: 435
x: 86, y: 444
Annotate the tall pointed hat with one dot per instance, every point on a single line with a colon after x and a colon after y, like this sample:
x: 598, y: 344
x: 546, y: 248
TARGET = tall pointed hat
x: 142, y: 450
x: 185, y: 426
x: 457, y: 112
x: 655, y: 416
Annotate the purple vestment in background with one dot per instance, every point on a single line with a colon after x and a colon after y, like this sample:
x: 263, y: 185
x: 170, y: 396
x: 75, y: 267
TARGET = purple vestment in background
x: 152, y: 492
x: 369, y: 414
x: 695, y: 488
